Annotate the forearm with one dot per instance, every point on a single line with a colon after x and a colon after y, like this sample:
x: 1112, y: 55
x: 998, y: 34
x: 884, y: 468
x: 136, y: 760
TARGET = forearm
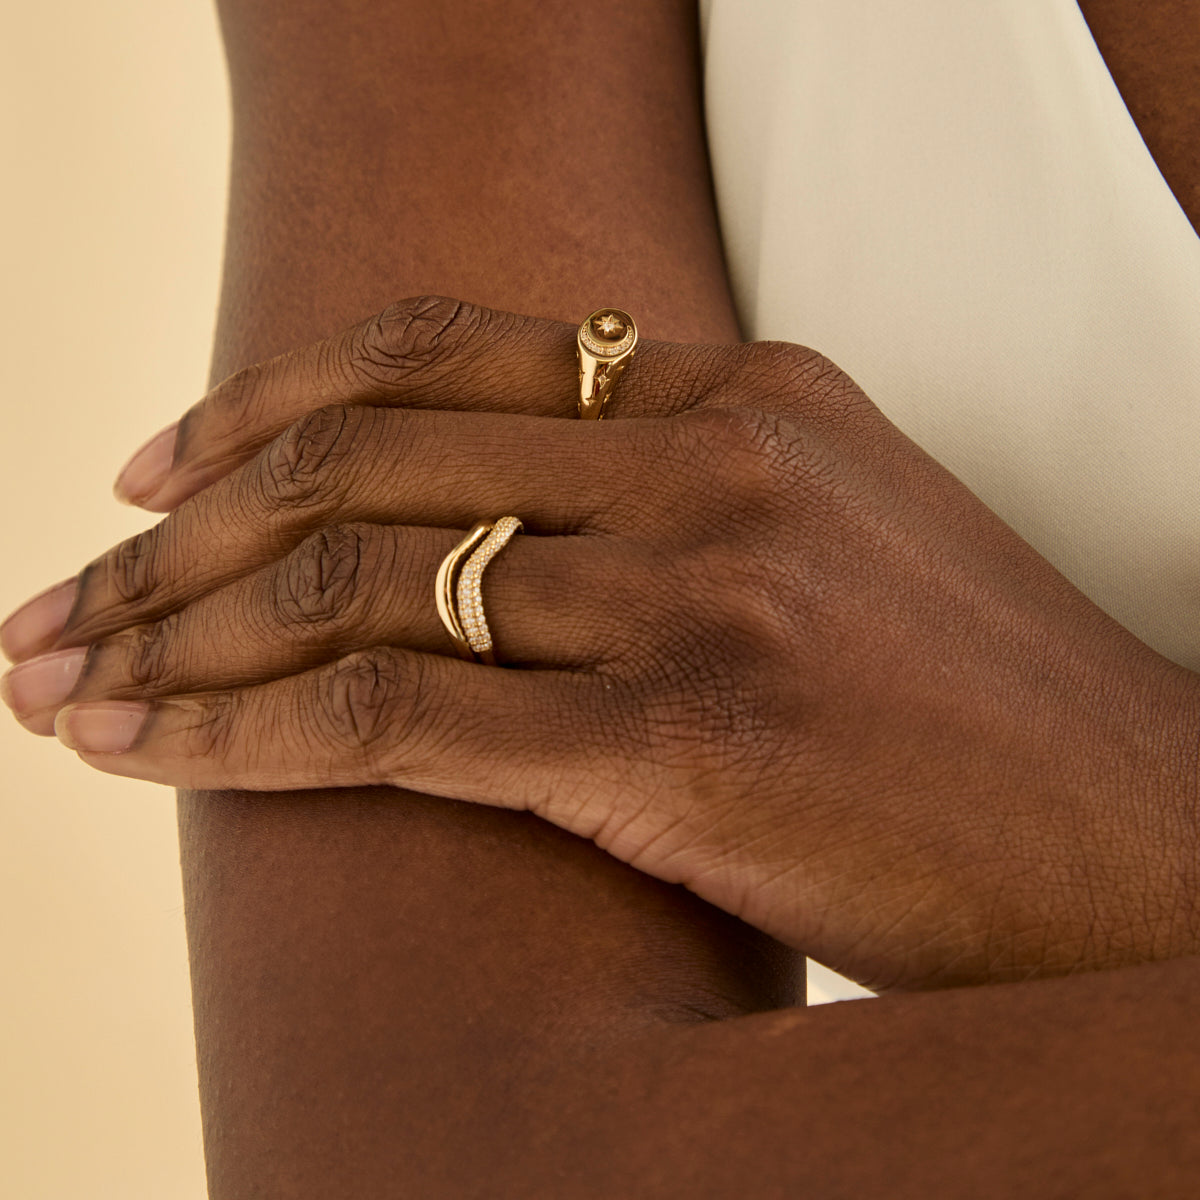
x: 1087, y: 1086
x: 519, y: 155
x: 379, y: 978
x: 370, y: 968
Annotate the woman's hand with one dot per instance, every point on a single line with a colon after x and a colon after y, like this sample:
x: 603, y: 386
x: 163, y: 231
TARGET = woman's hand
x: 772, y: 651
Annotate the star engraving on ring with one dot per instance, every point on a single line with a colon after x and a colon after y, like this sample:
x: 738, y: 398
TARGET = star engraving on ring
x: 609, y: 326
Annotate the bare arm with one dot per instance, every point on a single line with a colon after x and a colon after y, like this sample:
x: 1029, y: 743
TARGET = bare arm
x: 396, y: 995
x: 369, y: 968
x: 1054, y: 1089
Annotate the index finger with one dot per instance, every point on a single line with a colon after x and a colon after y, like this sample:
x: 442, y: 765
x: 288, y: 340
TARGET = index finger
x: 427, y: 352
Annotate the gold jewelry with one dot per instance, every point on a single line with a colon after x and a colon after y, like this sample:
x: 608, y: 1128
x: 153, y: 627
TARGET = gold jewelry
x: 446, y: 583
x: 459, y: 587
x: 604, y: 343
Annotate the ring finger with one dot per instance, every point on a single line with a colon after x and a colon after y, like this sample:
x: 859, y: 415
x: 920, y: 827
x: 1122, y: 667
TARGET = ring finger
x: 358, y: 465
x: 348, y: 587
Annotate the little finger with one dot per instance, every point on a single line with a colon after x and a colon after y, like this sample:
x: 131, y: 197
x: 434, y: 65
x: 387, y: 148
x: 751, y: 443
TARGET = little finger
x: 381, y: 716
x: 345, y: 588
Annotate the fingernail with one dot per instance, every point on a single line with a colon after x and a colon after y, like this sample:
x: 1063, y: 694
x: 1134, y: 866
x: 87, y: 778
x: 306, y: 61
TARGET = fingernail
x: 148, y: 469
x: 36, y: 624
x: 100, y: 728
x: 43, y: 682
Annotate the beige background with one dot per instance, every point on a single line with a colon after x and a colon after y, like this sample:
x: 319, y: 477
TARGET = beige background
x: 114, y: 140
x: 115, y: 135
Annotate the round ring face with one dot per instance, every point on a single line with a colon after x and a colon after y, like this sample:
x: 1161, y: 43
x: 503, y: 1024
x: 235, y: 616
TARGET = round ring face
x: 607, y: 333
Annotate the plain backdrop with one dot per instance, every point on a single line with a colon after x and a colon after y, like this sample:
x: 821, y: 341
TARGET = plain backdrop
x: 115, y: 137
x: 115, y: 133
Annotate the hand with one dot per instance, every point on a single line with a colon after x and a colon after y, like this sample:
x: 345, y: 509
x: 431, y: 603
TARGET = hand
x: 772, y: 651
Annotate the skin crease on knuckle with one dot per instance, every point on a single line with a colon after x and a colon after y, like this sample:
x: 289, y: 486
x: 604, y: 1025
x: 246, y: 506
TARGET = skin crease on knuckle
x: 296, y: 480
x: 371, y: 705
x: 296, y: 469
x: 320, y: 581
x: 134, y: 662
x: 410, y: 337
x: 216, y: 731
x: 697, y: 374
x: 126, y: 585
x: 809, y: 388
x: 370, y: 361
x: 131, y: 572
x: 147, y: 653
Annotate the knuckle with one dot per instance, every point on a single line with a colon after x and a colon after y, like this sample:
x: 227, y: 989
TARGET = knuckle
x: 213, y: 729
x: 732, y: 429
x: 367, y: 702
x: 319, y: 580
x: 408, y: 337
x: 129, y: 570
x: 298, y: 466
x: 685, y: 377
x: 147, y: 654
x: 743, y: 620
x: 710, y: 705
x: 805, y: 380
x: 783, y: 361
x: 712, y: 610
x: 782, y: 368
x: 745, y: 451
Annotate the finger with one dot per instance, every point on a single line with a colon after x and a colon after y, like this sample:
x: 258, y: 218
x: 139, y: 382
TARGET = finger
x: 382, y: 716
x: 352, y: 465
x: 427, y: 353
x: 346, y: 588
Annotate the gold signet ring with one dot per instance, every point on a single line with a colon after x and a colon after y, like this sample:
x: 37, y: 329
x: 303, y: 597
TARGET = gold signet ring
x: 605, y: 344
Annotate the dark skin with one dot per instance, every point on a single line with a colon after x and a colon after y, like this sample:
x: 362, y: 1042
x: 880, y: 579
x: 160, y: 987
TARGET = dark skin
x: 304, y: 910
x: 793, y: 664
x: 1152, y: 48
x: 403, y: 996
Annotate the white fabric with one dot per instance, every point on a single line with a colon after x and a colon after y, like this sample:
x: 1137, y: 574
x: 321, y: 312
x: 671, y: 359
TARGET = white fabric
x: 950, y: 200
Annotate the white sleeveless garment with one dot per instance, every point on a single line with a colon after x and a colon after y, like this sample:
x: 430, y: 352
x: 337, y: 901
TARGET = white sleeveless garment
x: 952, y: 202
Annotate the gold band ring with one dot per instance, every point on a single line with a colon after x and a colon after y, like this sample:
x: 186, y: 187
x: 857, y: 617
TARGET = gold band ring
x: 447, y: 582
x: 605, y: 343
x: 459, y: 588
